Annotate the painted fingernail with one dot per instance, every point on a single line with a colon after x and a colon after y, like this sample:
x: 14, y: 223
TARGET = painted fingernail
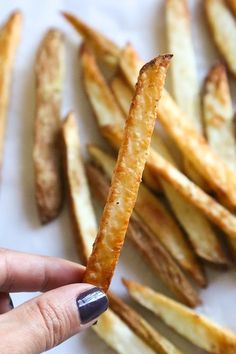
x: 91, y: 304
x: 11, y: 303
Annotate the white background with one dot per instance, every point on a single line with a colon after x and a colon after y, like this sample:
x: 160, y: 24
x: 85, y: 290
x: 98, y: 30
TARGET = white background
x: 141, y: 22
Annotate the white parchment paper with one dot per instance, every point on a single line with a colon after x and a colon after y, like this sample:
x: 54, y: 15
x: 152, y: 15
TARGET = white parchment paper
x: 142, y: 22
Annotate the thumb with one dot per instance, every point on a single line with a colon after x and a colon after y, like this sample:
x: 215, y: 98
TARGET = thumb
x: 49, y: 319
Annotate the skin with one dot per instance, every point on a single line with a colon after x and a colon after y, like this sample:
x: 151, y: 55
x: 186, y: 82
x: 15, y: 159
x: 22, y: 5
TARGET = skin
x: 47, y: 320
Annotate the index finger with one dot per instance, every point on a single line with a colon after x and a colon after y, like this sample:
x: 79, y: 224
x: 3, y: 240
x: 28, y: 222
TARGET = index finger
x: 28, y: 272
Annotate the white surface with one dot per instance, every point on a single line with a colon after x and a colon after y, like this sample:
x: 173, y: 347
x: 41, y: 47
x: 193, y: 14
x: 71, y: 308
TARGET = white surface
x: 142, y: 22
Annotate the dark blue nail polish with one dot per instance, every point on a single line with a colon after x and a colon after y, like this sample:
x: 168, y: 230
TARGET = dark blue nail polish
x: 91, y: 304
x: 11, y: 303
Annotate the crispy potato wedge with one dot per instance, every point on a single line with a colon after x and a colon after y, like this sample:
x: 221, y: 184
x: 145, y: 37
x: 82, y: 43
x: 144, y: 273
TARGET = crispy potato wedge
x: 49, y: 69
x: 119, y: 336
x: 154, y: 214
x: 219, y: 114
x: 185, y: 84
x: 232, y: 5
x: 141, y: 327
x: 83, y: 216
x: 123, y: 94
x: 208, y: 205
x: 10, y: 34
x: 223, y: 28
x: 197, y: 227
x: 140, y: 235
x: 198, y: 329
x: 104, y: 48
x: 127, y: 174
x: 193, y: 145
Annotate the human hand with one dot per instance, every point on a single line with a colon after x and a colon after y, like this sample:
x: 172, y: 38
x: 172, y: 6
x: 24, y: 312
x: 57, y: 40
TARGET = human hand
x: 47, y: 320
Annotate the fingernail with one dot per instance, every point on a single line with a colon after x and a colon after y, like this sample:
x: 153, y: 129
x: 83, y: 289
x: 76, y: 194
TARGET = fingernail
x: 91, y: 304
x: 11, y: 303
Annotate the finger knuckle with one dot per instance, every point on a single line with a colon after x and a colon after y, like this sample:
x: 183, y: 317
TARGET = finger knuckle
x: 54, y: 323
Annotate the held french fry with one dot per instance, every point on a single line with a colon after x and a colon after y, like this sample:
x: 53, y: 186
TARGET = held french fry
x: 155, y: 215
x: 82, y: 213
x: 219, y: 114
x: 198, y: 329
x: 49, y: 69
x: 222, y: 24
x: 198, y: 228
x: 140, y: 235
x: 141, y: 327
x: 10, y: 34
x: 128, y: 172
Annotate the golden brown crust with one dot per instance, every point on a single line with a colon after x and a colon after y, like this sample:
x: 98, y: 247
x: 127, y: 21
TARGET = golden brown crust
x: 232, y: 5
x: 128, y: 172
x: 196, y: 328
x: 82, y: 213
x: 9, y: 39
x: 151, y: 248
x: 223, y: 29
x: 141, y: 327
x: 104, y: 48
x: 46, y: 155
x: 193, y: 145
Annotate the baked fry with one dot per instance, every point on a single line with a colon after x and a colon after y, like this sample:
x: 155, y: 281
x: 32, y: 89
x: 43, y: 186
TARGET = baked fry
x: 219, y: 115
x: 127, y: 174
x: 123, y: 94
x: 82, y: 213
x: 154, y: 214
x: 119, y: 336
x: 232, y: 5
x: 151, y: 248
x: 104, y: 48
x: 200, y: 232
x: 49, y: 68
x: 185, y: 85
x: 223, y: 28
x: 198, y: 329
x: 10, y: 34
x: 141, y: 327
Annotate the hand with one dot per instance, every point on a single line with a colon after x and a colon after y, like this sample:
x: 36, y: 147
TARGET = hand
x: 49, y: 319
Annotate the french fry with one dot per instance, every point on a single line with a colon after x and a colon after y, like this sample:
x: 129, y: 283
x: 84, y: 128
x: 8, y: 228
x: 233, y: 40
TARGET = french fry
x: 232, y: 5
x: 185, y: 84
x: 208, y: 205
x: 105, y: 108
x: 127, y: 174
x: 223, y: 28
x: 83, y: 217
x: 123, y: 94
x: 193, y: 145
x: 46, y: 153
x: 219, y: 115
x: 119, y: 336
x: 155, y: 254
x: 10, y: 34
x: 198, y: 329
x: 155, y: 215
x: 141, y: 327
x: 103, y: 47
x: 183, y: 69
